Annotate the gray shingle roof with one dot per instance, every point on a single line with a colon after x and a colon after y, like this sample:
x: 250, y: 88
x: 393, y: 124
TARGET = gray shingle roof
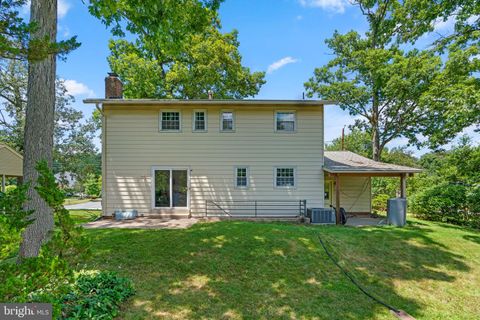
x: 349, y: 162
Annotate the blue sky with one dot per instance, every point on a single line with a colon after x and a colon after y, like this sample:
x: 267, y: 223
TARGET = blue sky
x: 283, y: 37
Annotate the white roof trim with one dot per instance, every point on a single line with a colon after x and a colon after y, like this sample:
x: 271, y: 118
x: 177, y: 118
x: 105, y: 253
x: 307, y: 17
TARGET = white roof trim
x: 205, y: 102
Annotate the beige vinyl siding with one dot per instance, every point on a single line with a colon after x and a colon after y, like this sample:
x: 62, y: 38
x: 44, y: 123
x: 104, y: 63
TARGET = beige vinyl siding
x: 355, y: 194
x: 134, y: 144
x: 11, y: 163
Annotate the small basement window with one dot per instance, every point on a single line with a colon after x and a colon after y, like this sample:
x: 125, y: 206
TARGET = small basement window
x: 285, y: 121
x: 200, y: 120
x: 170, y: 121
x: 226, y: 121
x: 285, y: 177
x: 241, y: 177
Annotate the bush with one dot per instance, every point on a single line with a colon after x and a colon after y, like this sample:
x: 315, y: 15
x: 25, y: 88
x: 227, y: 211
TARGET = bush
x: 10, y: 188
x: 93, y: 185
x: 13, y: 220
x: 96, y: 295
x: 49, y: 277
x: 379, y: 203
x: 446, y: 202
x: 473, y: 199
x: 41, y: 279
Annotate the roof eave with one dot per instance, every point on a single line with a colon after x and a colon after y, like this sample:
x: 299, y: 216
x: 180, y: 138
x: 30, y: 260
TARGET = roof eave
x: 206, y: 102
x: 372, y: 171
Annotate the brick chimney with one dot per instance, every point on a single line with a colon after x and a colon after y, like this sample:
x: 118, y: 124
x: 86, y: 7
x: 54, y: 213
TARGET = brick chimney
x: 113, y: 86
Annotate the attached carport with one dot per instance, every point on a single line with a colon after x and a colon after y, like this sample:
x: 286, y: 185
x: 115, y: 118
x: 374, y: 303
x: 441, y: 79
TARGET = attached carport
x: 11, y: 165
x: 345, y: 168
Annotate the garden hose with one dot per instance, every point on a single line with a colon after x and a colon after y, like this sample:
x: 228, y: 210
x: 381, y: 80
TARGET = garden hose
x: 396, y: 312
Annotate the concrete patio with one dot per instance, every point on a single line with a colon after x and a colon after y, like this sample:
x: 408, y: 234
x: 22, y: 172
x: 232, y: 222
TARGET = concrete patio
x: 142, y: 223
x: 366, y: 221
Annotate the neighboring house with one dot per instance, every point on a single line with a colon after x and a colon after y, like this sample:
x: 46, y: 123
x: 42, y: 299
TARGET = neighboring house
x: 218, y: 157
x: 11, y: 165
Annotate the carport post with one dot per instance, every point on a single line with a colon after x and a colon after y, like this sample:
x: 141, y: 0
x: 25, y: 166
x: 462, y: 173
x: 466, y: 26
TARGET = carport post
x: 3, y: 183
x: 403, y: 185
x: 337, y: 199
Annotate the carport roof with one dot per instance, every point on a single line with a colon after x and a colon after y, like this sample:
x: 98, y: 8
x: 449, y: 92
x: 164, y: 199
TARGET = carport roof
x: 352, y: 163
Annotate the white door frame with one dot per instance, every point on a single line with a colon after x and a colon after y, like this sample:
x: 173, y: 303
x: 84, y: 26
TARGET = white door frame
x: 152, y: 187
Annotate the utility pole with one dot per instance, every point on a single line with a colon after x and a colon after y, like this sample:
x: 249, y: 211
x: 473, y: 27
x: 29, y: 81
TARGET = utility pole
x: 343, y: 138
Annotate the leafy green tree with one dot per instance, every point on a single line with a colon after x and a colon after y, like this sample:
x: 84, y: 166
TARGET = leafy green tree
x: 42, y: 52
x: 93, y: 185
x: 355, y: 141
x: 74, y: 150
x: 178, y: 51
x: 396, y: 91
x: 16, y: 41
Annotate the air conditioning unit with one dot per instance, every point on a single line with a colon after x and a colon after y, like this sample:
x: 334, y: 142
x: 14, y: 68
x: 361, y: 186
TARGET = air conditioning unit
x: 322, y: 215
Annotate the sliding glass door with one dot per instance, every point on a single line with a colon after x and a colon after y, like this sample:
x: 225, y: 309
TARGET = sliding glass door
x: 171, y: 188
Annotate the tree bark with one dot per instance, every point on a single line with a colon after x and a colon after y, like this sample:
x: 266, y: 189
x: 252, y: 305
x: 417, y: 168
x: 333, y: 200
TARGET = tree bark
x: 375, y: 134
x: 39, y: 126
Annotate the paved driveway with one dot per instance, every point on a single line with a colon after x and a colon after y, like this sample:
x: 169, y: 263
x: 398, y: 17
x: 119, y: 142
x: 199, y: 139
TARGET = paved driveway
x: 91, y: 205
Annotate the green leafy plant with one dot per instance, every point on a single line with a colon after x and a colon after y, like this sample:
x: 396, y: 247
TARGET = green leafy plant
x: 93, y: 185
x: 13, y: 219
x: 447, y: 203
x: 96, y: 295
x: 68, y: 240
x: 379, y: 203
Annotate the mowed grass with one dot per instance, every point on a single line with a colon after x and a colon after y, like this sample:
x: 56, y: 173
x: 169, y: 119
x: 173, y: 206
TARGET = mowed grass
x: 84, y: 216
x: 247, y: 270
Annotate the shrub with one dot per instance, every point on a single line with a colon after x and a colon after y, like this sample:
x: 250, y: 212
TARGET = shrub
x: 379, y: 203
x: 49, y: 277
x: 13, y: 219
x: 93, y: 185
x: 473, y: 199
x: 96, y: 295
x: 10, y: 188
x: 446, y: 202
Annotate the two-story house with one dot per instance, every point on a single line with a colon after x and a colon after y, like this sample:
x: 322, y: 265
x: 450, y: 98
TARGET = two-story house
x: 217, y: 157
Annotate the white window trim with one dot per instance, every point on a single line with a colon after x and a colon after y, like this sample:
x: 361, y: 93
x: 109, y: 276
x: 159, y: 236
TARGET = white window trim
x: 295, y: 183
x: 235, y: 177
x: 152, y: 187
x: 206, y: 120
x: 169, y: 130
x: 275, y: 121
x: 234, y: 120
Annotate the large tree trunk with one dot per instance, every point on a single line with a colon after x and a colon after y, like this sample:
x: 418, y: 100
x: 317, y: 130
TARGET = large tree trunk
x: 39, y: 124
x: 374, y: 123
x: 376, y: 151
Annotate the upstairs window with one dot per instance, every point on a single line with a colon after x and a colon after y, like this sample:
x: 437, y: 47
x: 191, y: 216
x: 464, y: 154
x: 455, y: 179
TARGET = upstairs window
x: 285, y: 121
x: 170, y: 121
x: 226, y: 121
x: 284, y: 177
x: 200, y: 120
x: 241, y: 177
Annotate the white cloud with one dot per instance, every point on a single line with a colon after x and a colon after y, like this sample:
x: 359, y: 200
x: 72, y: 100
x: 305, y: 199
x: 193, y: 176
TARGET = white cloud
x: 62, y: 8
x: 299, y: 17
x: 280, y: 63
x: 76, y: 88
x: 337, y: 6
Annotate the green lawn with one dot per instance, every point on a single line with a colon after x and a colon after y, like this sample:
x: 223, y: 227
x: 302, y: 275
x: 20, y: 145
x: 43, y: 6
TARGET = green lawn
x: 84, y: 216
x: 245, y: 270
